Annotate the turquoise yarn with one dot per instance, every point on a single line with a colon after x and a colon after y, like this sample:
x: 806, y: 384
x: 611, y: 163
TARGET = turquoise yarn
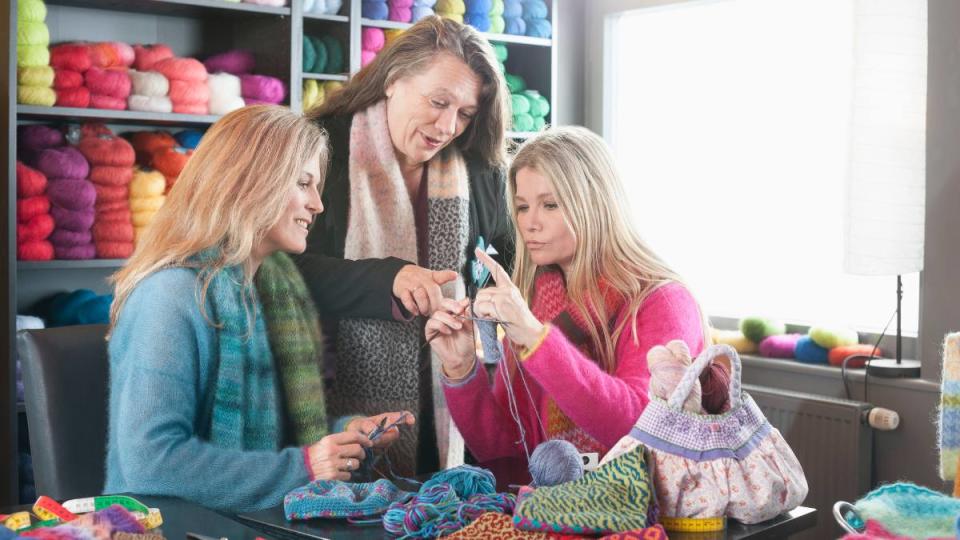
x: 539, y: 106
x: 522, y: 122
x: 519, y: 104
x: 555, y: 462
x: 539, y: 123
x: 320, y: 48
x: 334, y: 55
x: 309, y: 54
x: 515, y: 83
x: 466, y: 480
x: 909, y: 510
x: 438, y: 511
x: 500, y: 51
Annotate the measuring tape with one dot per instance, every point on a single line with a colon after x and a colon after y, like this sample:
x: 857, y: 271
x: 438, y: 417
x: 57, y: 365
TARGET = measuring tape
x: 693, y: 524
x: 151, y: 520
x: 47, y: 509
x: 92, y: 504
x: 52, y: 513
x: 17, y: 521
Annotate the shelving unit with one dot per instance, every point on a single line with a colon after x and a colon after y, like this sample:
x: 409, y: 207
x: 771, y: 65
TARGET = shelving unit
x: 194, y: 28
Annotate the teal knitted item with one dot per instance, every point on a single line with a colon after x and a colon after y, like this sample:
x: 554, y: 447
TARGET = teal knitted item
x: 336, y: 499
x: 244, y: 415
x: 538, y: 123
x: 334, y: 55
x: 949, y: 425
x: 910, y: 510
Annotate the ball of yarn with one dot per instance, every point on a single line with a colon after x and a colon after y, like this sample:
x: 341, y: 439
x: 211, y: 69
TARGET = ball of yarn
x: 74, y: 97
x: 366, y: 57
x: 519, y: 104
x: 735, y: 339
x: 181, y: 69
x: 147, y: 143
x: 715, y: 389
x: 237, y: 62
x: 482, y: 7
x: 837, y: 355
x: 189, y: 92
x: 70, y: 56
x: 75, y: 253
x: 113, y: 231
x: 555, y: 462
x: 98, y: 101
x: 514, y: 26
x: 534, y: 9
x: 73, y: 220
x: 401, y: 3
x: 38, y: 137
x: 41, y: 250
x: 376, y: 9
x: 64, y: 79
x: 320, y: 60
x: 103, y: 55
x: 830, y: 337
x: 67, y: 238
x: 148, y: 83
x: 189, y: 138
x: 372, y: 39
x: 496, y: 8
x: 115, y: 250
x: 223, y: 105
x: 466, y: 481
x: 36, y: 228
x: 71, y: 194
x: 145, y: 56
x: 33, y: 56
x: 809, y: 352
x: 191, y: 108
x: 111, y: 176
x: 142, y: 218
x: 109, y: 208
x: 31, y: 11
x: 515, y: 83
x: 311, y: 94
x: 334, y: 54
x: 399, y: 14
x: 756, y: 329
x: 31, y: 207
x: 107, y: 150
x: 119, y: 215
x: 108, y: 82
x: 522, y: 122
x: 170, y: 161
x: 108, y: 194
x: 36, y: 95
x: 262, y: 88
x: 63, y: 162
x: 124, y: 53
x: 457, y: 7
x: 224, y: 85
x: 497, y: 25
x: 35, y: 76
x: 159, y: 104
x: 309, y: 54
x: 477, y: 20
x: 780, y: 346
x: 421, y: 12
x: 30, y: 182
x: 539, y: 106
x: 146, y: 204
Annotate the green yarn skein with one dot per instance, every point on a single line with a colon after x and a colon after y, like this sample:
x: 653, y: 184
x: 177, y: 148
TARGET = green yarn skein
x: 334, y: 55
x: 309, y: 54
x: 756, y: 329
x: 515, y: 83
x: 539, y: 123
x: 320, y: 64
x: 539, y: 106
x: 500, y: 51
x: 519, y: 104
x: 830, y: 337
x: 31, y: 11
x: 522, y: 122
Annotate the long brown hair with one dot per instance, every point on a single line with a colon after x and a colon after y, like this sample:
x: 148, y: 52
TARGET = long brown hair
x: 588, y: 188
x: 231, y: 192
x: 411, y: 53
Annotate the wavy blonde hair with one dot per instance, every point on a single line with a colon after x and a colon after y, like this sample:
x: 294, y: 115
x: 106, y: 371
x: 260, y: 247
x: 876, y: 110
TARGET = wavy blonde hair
x: 412, y: 53
x: 590, y: 193
x: 231, y: 192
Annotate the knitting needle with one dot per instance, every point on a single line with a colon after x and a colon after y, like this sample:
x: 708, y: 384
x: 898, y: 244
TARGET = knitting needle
x: 466, y: 318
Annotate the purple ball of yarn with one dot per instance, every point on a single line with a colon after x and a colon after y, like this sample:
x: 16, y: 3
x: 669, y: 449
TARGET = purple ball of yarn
x: 555, y: 462
x: 32, y: 139
x: 783, y: 346
x: 237, y: 62
x: 262, y: 88
x: 68, y: 238
x: 377, y: 10
x: 400, y: 14
x: 715, y: 389
x: 809, y: 352
x: 63, y: 162
x: 88, y: 251
x: 72, y: 220
x: 71, y: 194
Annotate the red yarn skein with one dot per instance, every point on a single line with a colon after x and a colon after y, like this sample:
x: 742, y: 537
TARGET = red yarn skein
x: 122, y: 215
x: 189, y: 93
x: 107, y: 151
x: 108, y: 82
x: 181, y: 69
x: 65, y: 79
x: 73, y: 97
x: 30, y: 182
x: 104, y: 208
x: 171, y: 161
x: 106, y: 102
x: 106, y: 194
x: 114, y: 250
x: 191, y: 108
x: 146, y: 56
x: 111, y: 176
x: 40, y: 250
x: 32, y: 207
x: 148, y: 143
x: 113, y: 231
x: 38, y: 228
x: 72, y: 56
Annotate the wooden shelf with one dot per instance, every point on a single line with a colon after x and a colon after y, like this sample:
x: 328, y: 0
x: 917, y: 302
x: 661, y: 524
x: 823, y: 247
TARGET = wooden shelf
x: 111, y: 116
x: 501, y: 38
x: 332, y: 18
x: 326, y: 77
x: 70, y: 265
x: 176, y: 7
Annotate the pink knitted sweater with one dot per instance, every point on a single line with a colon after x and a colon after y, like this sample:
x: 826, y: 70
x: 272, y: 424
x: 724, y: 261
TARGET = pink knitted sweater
x: 575, y: 399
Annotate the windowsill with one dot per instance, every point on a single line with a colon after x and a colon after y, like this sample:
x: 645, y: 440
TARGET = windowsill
x: 753, y: 362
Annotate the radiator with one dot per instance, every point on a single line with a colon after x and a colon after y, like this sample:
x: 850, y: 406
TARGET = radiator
x: 833, y: 443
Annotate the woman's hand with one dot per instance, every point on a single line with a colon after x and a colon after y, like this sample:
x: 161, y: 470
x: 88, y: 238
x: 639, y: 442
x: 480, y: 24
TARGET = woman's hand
x: 335, y: 456
x: 418, y: 289
x: 451, y: 339
x: 367, y: 425
x: 504, y: 302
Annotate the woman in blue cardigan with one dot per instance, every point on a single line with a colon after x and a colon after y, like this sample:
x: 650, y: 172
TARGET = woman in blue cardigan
x: 216, y: 385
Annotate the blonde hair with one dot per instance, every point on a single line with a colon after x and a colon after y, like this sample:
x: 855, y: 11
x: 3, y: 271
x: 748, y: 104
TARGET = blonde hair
x: 412, y: 53
x: 590, y: 193
x: 231, y: 192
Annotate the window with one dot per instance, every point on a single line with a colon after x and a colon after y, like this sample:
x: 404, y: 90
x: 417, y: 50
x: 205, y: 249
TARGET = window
x: 730, y: 123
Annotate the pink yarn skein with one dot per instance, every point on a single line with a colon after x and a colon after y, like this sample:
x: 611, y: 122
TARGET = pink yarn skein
x: 237, y: 62
x: 262, y: 88
x: 782, y: 346
x: 108, y: 82
x: 181, y: 69
x: 148, y: 55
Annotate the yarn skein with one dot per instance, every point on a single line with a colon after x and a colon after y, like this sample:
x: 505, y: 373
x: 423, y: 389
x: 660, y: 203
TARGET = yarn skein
x: 555, y: 462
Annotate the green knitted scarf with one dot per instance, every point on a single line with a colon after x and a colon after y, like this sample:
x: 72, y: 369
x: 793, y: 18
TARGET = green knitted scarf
x: 293, y: 328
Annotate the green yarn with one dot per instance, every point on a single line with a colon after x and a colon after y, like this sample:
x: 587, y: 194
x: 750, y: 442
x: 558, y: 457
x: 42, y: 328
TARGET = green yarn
x: 33, y: 56
x: 309, y: 54
x: 519, y: 104
x: 497, y: 25
x: 539, y: 106
x: 320, y: 48
x: 31, y: 11
x: 496, y: 8
x: 522, y: 122
x: 756, y: 329
x: 515, y: 83
x: 500, y: 51
x: 32, y: 33
x: 539, y: 123
x: 334, y: 55
x: 829, y: 338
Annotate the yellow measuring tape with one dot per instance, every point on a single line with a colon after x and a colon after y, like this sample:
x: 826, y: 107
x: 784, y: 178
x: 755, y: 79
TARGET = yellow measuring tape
x: 52, y: 513
x: 693, y: 524
x: 151, y: 520
x: 17, y: 521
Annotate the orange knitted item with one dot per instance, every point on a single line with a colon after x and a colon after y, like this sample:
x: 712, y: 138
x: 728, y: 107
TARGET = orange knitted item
x: 837, y: 354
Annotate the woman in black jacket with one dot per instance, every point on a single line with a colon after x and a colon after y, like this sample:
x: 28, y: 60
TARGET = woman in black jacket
x: 415, y: 179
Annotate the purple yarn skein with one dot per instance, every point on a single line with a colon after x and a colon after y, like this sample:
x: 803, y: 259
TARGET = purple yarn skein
x: 783, y: 346
x: 72, y: 220
x: 65, y: 162
x: 88, y: 251
x: 71, y: 194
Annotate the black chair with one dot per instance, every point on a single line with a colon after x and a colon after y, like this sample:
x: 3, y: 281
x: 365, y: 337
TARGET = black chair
x: 65, y: 377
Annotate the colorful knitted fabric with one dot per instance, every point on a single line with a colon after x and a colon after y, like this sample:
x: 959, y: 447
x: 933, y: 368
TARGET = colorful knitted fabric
x: 296, y: 343
x: 336, y: 499
x: 98, y: 525
x: 908, y: 509
x: 494, y: 525
x: 655, y: 532
x: 949, y: 425
x: 613, y: 498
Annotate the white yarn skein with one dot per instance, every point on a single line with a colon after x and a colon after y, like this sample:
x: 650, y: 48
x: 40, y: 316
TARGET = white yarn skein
x: 159, y: 104
x: 148, y: 83
x: 224, y: 93
x: 222, y: 105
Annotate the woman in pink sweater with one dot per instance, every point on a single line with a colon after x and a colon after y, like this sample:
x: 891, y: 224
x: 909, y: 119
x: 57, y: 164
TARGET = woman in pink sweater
x: 590, y: 300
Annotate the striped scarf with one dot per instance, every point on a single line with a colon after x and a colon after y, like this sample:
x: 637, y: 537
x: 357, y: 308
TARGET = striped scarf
x: 949, y: 424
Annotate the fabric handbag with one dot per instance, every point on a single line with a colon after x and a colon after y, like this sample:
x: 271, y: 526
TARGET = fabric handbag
x: 733, y: 464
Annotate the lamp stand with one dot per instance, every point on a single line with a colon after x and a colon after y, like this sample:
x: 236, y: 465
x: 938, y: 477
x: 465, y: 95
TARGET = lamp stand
x: 895, y: 368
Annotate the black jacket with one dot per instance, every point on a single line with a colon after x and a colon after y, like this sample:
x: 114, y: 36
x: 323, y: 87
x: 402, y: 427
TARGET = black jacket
x: 364, y: 288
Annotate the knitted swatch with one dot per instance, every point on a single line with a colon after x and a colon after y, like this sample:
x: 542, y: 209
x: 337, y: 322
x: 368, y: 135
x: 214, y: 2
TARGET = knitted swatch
x: 336, y: 499
x: 908, y: 509
x: 949, y: 425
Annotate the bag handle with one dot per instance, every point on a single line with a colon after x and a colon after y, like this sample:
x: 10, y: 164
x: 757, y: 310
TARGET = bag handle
x: 683, y: 389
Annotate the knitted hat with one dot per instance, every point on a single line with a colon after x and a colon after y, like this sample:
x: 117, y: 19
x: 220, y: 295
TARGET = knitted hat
x: 333, y: 498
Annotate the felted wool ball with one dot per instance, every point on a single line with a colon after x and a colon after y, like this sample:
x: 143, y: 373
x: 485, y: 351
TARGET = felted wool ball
x: 500, y: 51
x: 170, y: 161
x: 862, y: 351
x: 539, y: 28
x: 496, y: 8
x: 142, y: 218
x: 399, y: 14
x: 36, y: 95
x: 107, y: 150
x: 522, y: 122
x: 115, y: 250
x: 309, y: 54
x: 481, y: 7
x: 512, y: 8
x: 30, y: 182
x: 421, y: 12
x: 145, y: 56
x: 41, y: 250
x: 111, y: 175
x: 120, y: 215
x: 148, y: 204
x: 480, y: 21
x: 35, y: 76
x: 65, y: 162
x: 124, y: 52
x: 104, y: 55
x: 106, y: 194
x: 224, y: 85
x: 181, y: 69
x: 401, y: 3
x: 374, y: 9
x: 31, y: 207
x: 33, y: 56
x: 189, y: 138
x: 830, y: 337
x: 320, y: 58
x: 331, y: 87
x: 37, y: 137
x: 809, y: 352
x: 225, y: 104
x: 455, y: 17
x: 515, y: 26
x: 73, y: 97
x: 36, y: 228
x: 311, y: 94
x: 539, y: 123
x: 32, y: 11
x: 64, y: 79
x: 74, y: 220
x: 534, y: 9
x: 334, y: 55
x: 71, y: 194
x: 779, y: 346
x: 263, y: 88
x: 189, y: 92
x: 70, y: 56
x: 159, y: 104
x: 735, y: 339
x: 372, y: 39
x: 515, y: 83
x: 237, y: 62
x: 756, y: 329
x: 98, y: 101
x: 75, y: 252
x: 67, y: 238
x: 147, y: 143
x: 148, y: 83
x: 555, y: 462
x: 715, y: 389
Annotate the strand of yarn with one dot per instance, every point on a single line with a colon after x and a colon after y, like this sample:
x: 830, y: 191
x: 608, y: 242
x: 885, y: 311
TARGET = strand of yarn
x: 466, y: 480
x: 437, y: 511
